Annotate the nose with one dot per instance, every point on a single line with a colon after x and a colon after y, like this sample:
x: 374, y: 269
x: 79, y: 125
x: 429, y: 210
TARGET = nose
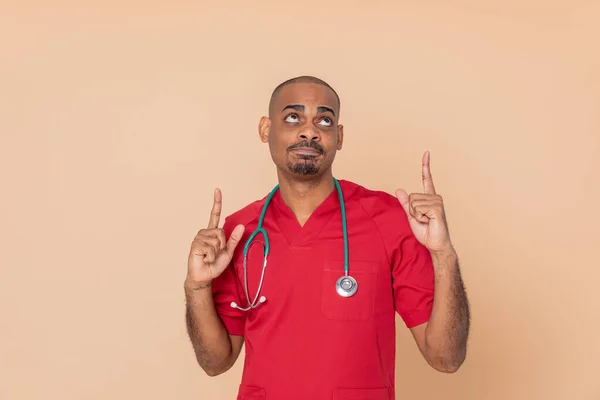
x: 310, y: 133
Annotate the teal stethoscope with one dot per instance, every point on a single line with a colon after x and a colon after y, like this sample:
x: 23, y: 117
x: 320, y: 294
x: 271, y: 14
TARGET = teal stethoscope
x: 345, y: 286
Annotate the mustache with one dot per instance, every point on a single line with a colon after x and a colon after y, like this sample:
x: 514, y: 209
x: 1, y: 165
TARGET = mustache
x: 310, y: 145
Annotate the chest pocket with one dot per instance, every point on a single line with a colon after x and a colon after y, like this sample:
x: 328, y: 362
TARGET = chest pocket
x: 359, y: 307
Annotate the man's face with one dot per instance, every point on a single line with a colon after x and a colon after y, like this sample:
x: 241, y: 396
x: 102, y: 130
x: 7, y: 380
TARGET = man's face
x: 302, y: 129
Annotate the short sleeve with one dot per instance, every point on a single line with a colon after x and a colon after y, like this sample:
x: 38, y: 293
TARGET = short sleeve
x: 412, y: 273
x: 411, y: 263
x: 226, y: 290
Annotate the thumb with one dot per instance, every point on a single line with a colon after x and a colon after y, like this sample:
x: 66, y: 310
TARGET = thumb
x: 403, y: 199
x: 234, y: 239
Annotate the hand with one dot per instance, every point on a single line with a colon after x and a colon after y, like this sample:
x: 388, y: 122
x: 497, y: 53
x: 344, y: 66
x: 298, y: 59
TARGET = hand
x: 426, y: 213
x: 210, y: 253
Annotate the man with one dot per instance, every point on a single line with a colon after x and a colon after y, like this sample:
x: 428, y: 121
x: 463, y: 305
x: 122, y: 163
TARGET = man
x: 310, y: 333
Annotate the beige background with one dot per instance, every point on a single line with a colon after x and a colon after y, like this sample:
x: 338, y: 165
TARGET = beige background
x: 117, y: 120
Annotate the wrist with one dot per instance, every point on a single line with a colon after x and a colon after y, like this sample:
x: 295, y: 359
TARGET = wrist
x: 446, y: 258
x: 193, y: 286
x: 447, y: 252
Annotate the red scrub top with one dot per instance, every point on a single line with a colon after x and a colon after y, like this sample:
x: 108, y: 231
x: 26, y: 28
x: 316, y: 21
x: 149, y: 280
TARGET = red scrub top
x: 306, y: 341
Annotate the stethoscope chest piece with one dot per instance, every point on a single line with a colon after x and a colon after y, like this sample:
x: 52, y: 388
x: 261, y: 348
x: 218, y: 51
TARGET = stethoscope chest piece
x: 346, y: 286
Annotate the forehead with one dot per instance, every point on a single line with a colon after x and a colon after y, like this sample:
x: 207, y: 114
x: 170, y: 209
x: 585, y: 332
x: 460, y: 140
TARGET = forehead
x: 307, y: 94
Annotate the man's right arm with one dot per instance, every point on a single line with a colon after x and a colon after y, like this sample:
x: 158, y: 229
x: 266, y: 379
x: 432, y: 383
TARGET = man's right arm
x: 210, y: 255
x: 216, y: 350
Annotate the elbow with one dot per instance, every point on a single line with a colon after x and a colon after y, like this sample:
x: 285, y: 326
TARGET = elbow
x: 215, y: 363
x: 214, y: 371
x: 444, y: 356
x: 447, y: 368
x: 448, y: 364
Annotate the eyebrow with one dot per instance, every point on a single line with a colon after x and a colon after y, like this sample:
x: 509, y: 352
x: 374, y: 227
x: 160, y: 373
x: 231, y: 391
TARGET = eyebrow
x: 300, y: 108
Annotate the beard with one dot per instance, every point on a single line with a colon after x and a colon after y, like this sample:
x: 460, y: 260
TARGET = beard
x: 308, y: 166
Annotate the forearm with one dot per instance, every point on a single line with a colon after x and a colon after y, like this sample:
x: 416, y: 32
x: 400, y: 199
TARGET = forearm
x: 210, y: 340
x: 448, y: 328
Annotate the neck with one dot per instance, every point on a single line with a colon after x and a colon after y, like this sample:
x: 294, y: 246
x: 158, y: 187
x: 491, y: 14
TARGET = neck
x: 303, y: 196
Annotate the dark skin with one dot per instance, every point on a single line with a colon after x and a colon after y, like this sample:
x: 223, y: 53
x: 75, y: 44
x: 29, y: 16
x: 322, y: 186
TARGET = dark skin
x: 301, y: 113
x: 304, y: 135
x: 309, y: 112
x: 311, y: 117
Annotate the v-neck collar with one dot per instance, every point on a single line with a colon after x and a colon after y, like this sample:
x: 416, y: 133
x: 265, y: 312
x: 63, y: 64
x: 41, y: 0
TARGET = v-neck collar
x: 302, y: 235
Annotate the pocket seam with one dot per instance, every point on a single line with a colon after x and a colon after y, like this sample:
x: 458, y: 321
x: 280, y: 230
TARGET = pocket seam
x: 371, y: 274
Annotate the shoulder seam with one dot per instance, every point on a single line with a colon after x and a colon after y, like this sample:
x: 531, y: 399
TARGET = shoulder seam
x: 387, y: 250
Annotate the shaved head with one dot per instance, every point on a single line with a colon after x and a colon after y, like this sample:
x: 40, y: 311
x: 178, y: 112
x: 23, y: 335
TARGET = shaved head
x: 302, y: 128
x: 301, y: 79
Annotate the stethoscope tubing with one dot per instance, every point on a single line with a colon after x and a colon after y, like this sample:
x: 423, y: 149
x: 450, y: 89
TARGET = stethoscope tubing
x: 261, y: 230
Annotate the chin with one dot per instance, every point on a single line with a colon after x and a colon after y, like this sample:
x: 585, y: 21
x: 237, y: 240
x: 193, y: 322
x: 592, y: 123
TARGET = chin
x: 307, y: 169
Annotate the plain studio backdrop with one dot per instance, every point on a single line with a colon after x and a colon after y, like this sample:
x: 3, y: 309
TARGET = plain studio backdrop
x: 118, y: 119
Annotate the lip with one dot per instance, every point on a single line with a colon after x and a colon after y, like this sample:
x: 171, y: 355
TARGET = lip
x: 307, y: 151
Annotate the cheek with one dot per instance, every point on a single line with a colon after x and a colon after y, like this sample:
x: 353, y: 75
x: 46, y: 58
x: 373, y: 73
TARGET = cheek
x: 283, y: 138
x: 331, y: 142
x: 278, y: 147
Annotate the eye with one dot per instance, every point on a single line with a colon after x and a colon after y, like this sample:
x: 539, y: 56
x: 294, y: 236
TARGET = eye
x: 326, y: 120
x: 291, y: 118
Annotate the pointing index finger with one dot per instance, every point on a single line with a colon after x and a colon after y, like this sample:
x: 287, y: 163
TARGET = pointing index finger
x: 427, y: 179
x: 215, y: 213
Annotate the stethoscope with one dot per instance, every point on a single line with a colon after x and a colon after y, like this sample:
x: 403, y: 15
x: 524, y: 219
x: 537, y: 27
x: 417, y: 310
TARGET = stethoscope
x: 345, y: 286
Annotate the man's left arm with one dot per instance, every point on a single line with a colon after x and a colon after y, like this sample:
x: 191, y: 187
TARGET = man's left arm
x: 443, y: 338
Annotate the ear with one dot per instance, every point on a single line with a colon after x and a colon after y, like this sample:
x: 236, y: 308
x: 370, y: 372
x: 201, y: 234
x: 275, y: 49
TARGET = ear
x: 264, y: 128
x: 340, y: 140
